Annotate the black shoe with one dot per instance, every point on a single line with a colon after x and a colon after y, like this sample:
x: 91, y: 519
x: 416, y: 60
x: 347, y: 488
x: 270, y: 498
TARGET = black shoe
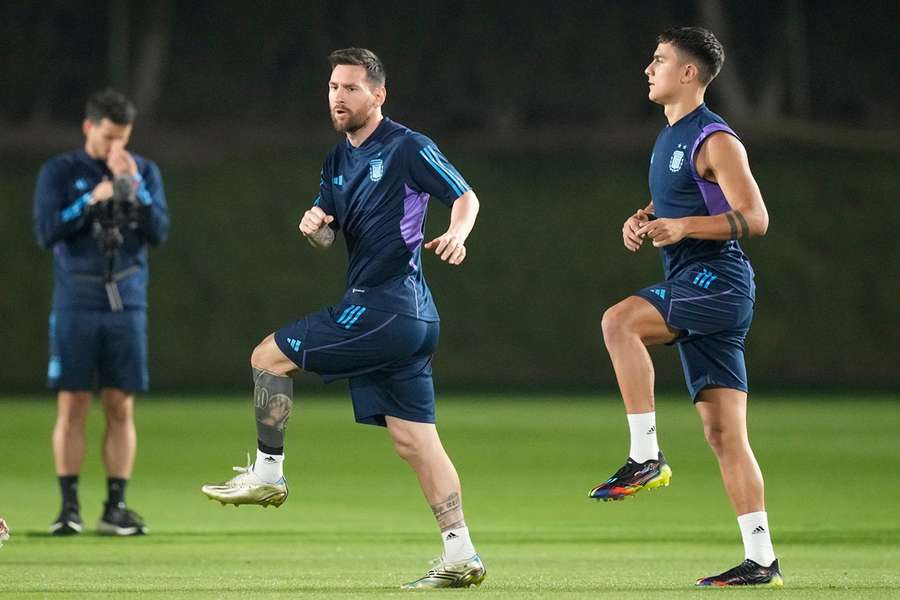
x: 634, y: 477
x: 117, y: 519
x: 747, y: 573
x: 68, y: 522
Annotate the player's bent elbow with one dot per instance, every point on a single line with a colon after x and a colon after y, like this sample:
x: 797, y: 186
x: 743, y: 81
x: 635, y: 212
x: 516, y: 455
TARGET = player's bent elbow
x: 470, y: 201
x: 760, y: 226
x: 263, y: 355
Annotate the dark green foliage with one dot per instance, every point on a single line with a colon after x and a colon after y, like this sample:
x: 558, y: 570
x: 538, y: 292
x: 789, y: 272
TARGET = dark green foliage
x: 544, y: 261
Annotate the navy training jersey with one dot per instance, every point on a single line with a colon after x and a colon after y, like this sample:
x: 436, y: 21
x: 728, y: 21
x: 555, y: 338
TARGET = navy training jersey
x: 61, y: 197
x: 378, y: 195
x: 677, y: 191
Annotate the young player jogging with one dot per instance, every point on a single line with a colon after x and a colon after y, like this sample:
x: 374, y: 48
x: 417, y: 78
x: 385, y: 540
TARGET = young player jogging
x: 704, y: 199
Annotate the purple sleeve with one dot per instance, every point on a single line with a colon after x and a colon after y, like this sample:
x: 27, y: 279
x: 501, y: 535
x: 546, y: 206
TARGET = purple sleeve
x: 713, y: 197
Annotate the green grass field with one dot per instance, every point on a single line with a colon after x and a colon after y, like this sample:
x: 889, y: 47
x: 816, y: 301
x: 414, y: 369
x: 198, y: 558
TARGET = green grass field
x: 356, y: 525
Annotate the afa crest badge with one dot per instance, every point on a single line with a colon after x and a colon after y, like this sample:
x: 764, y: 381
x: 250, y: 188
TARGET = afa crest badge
x: 376, y: 169
x: 677, y: 158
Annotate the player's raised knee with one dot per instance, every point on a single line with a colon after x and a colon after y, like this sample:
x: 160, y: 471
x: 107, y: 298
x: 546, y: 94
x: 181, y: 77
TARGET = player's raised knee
x: 267, y: 356
x: 258, y: 358
x: 616, y: 323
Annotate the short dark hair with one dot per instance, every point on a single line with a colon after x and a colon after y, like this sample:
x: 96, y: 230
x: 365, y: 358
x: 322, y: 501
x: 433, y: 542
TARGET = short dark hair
x: 363, y: 58
x: 112, y: 105
x: 701, y: 45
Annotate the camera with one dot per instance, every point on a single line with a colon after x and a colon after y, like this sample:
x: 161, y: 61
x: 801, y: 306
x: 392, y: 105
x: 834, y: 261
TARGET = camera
x: 116, y: 215
x: 110, y: 220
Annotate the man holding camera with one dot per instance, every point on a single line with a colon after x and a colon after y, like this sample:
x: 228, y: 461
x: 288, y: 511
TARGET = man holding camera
x: 98, y: 208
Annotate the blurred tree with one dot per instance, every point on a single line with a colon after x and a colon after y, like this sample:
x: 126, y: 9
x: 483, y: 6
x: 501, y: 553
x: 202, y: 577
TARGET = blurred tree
x: 118, y: 46
x: 798, y: 55
x: 151, y: 61
x: 550, y: 64
x: 731, y: 89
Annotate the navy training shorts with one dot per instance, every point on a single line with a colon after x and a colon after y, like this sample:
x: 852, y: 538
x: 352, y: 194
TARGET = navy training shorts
x: 93, y: 349
x: 713, y: 315
x: 385, y: 356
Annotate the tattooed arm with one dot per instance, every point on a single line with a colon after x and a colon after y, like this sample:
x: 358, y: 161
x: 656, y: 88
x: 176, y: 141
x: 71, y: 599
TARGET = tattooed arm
x: 723, y: 160
x: 314, y: 226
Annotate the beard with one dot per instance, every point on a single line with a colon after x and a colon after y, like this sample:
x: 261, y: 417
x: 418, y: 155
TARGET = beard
x: 353, y: 121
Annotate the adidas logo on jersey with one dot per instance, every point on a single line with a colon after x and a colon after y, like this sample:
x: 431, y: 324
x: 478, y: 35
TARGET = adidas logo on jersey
x: 659, y: 292
x: 295, y: 344
x: 704, y: 278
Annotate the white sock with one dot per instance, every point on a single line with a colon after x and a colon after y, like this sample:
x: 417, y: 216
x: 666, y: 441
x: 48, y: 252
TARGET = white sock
x: 644, y: 446
x: 457, y: 545
x: 268, y: 467
x: 757, y: 540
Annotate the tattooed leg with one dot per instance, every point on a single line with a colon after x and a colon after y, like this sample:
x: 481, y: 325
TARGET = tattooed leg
x: 458, y: 547
x: 273, y: 399
x: 420, y: 445
x: 449, y: 513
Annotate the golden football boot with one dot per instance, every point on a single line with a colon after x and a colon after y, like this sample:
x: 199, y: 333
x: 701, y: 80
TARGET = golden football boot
x: 443, y: 575
x: 247, y: 488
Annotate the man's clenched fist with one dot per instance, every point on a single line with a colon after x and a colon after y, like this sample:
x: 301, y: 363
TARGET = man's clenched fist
x: 313, y: 220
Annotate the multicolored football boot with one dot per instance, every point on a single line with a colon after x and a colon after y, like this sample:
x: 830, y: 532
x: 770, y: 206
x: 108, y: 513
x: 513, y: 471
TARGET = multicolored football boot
x: 443, y: 575
x: 632, y: 478
x: 746, y: 573
x: 247, y: 488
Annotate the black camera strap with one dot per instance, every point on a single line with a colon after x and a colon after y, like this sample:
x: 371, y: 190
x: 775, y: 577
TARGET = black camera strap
x: 115, y: 300
x: 112, y: 290
x: 109, y: 218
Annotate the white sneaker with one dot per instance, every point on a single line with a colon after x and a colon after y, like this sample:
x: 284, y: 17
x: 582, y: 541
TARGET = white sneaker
x: 247, y: 488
